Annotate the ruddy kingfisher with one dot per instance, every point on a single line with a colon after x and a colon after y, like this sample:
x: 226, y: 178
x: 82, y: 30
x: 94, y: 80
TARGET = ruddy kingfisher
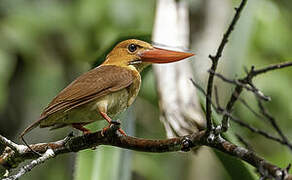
x: 106, y: 90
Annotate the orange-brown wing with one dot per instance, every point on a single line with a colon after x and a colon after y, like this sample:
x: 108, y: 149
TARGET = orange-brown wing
x: 91, y: 85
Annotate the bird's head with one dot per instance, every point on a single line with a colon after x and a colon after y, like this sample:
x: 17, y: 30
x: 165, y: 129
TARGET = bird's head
x: 140, y: 54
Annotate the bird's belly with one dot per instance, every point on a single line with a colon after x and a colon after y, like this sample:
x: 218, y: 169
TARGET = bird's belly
x: 116, y: 103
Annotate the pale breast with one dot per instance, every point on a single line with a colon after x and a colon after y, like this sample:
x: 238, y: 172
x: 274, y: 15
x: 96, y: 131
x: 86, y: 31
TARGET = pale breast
x: 135, y: 86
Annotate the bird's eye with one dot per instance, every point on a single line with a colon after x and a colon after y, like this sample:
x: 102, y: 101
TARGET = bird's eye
x: 132, y: 47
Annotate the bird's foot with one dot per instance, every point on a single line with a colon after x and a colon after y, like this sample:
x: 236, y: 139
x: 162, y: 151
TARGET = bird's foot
x: 115, y: 122
x: 122, y: 132
x: 112, y: 124
x: 80, y: 127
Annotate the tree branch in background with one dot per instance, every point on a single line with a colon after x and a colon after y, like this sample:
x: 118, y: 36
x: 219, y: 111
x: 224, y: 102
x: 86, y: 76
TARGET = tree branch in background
x: 274, y: 124
x: 247, y: 80
x: 244, y: 142
x: 246, y: 83
x: 258, y: 93
x: 215, y: 60
x: 224, y: 112
x: 271, y: 68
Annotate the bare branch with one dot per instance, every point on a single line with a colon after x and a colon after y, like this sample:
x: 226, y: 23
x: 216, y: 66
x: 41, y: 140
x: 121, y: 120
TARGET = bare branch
x: 244, y: 142
x: 215, y: 60
x: 47, y: 155
x: 226, y: 112
x: 274, y: 124
x: 15, y: 147
x: 248, y: 87
x: 271, y: 68
x: 247, y: 84
x: 250, y: 108
x: 253, y: 129
x: 219, y: 110
x: 203, y: 92
x: 240, y: 84
x: 111, y: 137
x: 9, y: 159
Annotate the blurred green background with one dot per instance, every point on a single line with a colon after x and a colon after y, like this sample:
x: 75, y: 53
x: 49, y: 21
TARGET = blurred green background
x: 45, y: 44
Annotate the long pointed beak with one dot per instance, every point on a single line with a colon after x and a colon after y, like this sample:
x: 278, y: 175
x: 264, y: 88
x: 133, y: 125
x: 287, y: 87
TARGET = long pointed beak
x: 157, y: 55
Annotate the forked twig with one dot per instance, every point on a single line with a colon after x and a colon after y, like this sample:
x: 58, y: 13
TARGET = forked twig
x: 215, y: 60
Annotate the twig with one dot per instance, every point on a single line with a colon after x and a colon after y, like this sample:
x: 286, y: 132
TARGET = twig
x: 274, y: 124
x: 47, y: 155
x: 253, y: 129
x: 243, y: 85
x: 200, y: 88
x: 250, y: 108
x: 227, y: 114
x: 15, y: 147
x: 271, y: 67
x: 247, y: 80
x: 243, y: 141
x: 220, y: 110
x: 215, y: 60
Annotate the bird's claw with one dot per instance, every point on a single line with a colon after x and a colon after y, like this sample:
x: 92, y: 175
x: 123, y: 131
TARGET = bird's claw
x: 116, y: 122
x: 186, y: 144
x: 113, y: 128
x: 68, y: 137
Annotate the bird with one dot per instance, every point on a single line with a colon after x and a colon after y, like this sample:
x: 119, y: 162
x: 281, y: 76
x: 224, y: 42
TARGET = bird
x: 104, y: 91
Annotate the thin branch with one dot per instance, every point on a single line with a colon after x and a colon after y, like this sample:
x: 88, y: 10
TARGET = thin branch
x: 15, y: 147
x: 246, y: 83
x: 271, y: 68
x: 274, y: 124
x: 248, y: 80
x: 215, y: 60
x: 47, y: 155
x: 203, y: 92
x: 220, y: 110
x: 226, y: 113
x: 244, y: 142
x: 250, y: 108
x: 243, y: 85
x: 253, y: 129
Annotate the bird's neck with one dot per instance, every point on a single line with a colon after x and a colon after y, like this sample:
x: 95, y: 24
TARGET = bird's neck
x: 140, y: 67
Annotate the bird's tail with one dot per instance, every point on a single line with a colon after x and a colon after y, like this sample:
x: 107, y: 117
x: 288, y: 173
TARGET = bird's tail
x: 29, y: 128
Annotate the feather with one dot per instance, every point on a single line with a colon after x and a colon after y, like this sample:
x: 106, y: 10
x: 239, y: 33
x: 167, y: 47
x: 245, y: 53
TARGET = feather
x: 90, y: 86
